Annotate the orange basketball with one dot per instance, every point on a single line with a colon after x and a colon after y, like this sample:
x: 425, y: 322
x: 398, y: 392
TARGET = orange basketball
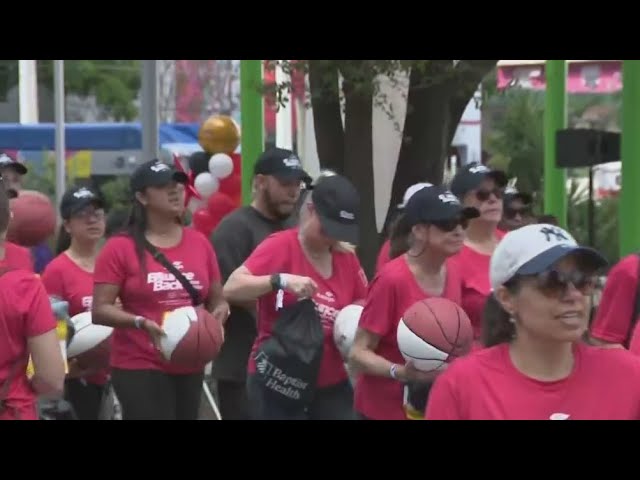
x: 219, y: 134
x: 33, y: 220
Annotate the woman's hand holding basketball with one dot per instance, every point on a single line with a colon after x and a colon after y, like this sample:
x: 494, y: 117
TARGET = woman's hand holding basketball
x: 409, y: 373
x: 301, y: 287
x: 155, y: 331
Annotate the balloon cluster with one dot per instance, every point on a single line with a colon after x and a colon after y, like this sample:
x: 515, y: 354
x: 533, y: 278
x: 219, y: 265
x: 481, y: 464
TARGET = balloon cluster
x: 215, y: 174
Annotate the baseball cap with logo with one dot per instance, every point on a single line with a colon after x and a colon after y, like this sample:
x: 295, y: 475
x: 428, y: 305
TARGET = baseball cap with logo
x: 533, y: 249
x: 471, y: 176
x: 511, y: 193
x: 409, y: 192
x: 281, y: 163
x: 7, y: 161
x: 154, y: 173
x: 76, y: 199
x: 337, y: 204
x: 436, y: 204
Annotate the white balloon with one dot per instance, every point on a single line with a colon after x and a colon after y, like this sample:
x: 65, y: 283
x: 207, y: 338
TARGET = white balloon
x: 194, y: 204
x: 206, y: 184
x: 221, y: 165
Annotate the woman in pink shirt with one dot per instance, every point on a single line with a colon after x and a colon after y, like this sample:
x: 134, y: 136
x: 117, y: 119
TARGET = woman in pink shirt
x: 434, y: 223
x: 27, y: 328
x: 482, y: 188
x: 305, y: 262
x: 147, y: 386
x: 535, y: 365
x: 69, y: 276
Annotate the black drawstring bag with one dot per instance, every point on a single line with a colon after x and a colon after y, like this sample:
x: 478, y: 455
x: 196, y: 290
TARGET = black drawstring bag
x: 288, y: 363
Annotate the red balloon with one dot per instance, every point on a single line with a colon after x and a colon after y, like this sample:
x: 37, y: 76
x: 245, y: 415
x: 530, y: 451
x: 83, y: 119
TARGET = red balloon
x: 203, y: 221
x: 219, y: 206
x: 231, y: 185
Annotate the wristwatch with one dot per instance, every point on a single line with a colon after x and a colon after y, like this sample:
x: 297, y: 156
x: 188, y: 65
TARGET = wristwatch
x: 139, y: 322
x: 276, y: 282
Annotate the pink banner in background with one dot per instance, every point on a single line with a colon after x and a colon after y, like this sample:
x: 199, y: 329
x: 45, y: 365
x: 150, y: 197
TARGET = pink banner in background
x: 596, y: 77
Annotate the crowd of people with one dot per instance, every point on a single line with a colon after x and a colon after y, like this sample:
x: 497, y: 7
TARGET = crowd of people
x: 277, y: 272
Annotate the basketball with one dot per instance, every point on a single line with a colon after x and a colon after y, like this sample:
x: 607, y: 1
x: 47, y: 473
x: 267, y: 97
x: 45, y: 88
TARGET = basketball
x: 90, y: 343
x: 193, y: 337
x: 432, y: 332
x: 345, y: 326
x: 33, y: 220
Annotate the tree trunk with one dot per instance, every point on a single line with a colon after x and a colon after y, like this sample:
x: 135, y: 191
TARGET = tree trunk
x: 358, y: 152
x: 327, y: 117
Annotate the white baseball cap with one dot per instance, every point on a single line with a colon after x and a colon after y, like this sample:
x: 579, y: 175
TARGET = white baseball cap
x: 533, y: 249
x: 411, y: 191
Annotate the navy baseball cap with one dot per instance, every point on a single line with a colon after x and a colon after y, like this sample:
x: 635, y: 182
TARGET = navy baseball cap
x: 155, y: 174
x: 436, y: 204
x: 76, y: 199
x: 472, y: 175
x: 7, y: 161
x: 281, y: 163
x: 511, y: 194
x: 337, y: 204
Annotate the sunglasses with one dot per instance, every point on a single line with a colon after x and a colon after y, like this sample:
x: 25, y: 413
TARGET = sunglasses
x: 511, y: 213
x: 451, y: 225
x: 483, y: 194
x: 553, y: 283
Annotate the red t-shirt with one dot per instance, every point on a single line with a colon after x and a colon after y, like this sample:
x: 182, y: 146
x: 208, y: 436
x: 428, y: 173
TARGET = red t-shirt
x: 63, y: 278
x: 613, y: 317
x: 383, y: 256
x: 25, y: 312
x: 17, y: 257
x: 154, y: 293
x: 474, y: 267
x: 485, y: 385
x: 390, y: 294
x: 282, y: 253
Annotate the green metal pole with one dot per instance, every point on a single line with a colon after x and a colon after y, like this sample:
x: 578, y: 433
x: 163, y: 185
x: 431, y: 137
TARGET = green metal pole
x: 252, y: 123
x: 628, y: 218
x: 555, y: 118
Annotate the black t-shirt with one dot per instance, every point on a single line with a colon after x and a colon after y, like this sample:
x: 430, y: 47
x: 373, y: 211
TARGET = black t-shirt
x: 237, y: 235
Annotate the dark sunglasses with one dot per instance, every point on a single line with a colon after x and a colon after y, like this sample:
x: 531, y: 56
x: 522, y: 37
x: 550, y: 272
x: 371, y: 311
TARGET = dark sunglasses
x: 484, y: 194
x: 451, y: 225
x: 555, y: 284
x: 511, y: 213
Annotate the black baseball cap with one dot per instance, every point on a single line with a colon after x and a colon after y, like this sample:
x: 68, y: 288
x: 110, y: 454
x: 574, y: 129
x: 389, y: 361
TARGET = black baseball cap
x: 7, y: 161
x: 76, y: 199
x: 436, y: 204
x: 154, y: 173
x: 511, y: 194
x: 281, y: 163
x: 472, y: 175
x: 337, y: 204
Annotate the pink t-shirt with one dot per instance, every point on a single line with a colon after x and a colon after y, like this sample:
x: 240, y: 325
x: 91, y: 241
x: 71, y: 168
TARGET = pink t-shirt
x: 63, y: 278
x: 390, y: 294
x: 153, y: 292
x: 17, y: 257
x: 282, y: 253
x: 485, y: 385
x: 474, y: 267
x: 25, y: 312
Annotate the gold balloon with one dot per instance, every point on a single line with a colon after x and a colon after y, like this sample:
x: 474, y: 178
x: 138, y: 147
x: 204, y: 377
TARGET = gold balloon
x: 219, y: 134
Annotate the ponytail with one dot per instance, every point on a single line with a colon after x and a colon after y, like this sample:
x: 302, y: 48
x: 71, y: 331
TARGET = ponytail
x: 64, y: 240
x: 399, y: 232
x: 497, y: 326
x: 135, y: 228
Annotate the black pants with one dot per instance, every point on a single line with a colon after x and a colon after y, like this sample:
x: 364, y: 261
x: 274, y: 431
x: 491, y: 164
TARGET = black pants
x: 330, y: 403
x: 84, y: 397
x: 154, y: 395
x: 233, y: 402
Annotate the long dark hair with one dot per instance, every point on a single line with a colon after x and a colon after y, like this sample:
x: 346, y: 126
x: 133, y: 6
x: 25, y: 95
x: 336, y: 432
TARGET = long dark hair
x: 497, y: 326
x: 5, y: 208
x: 64, y: 240
x: 399, y: 231
x: 135, y: 228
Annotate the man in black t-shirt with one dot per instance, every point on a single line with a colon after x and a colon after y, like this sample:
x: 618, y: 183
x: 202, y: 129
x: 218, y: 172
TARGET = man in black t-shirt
x: 278, y: 176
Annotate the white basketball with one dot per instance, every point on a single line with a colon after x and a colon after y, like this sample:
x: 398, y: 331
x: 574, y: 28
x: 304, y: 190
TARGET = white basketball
x: 176, y: 325
x: 423, y: 355
x: 345, y: 326
x: 86, y: 335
